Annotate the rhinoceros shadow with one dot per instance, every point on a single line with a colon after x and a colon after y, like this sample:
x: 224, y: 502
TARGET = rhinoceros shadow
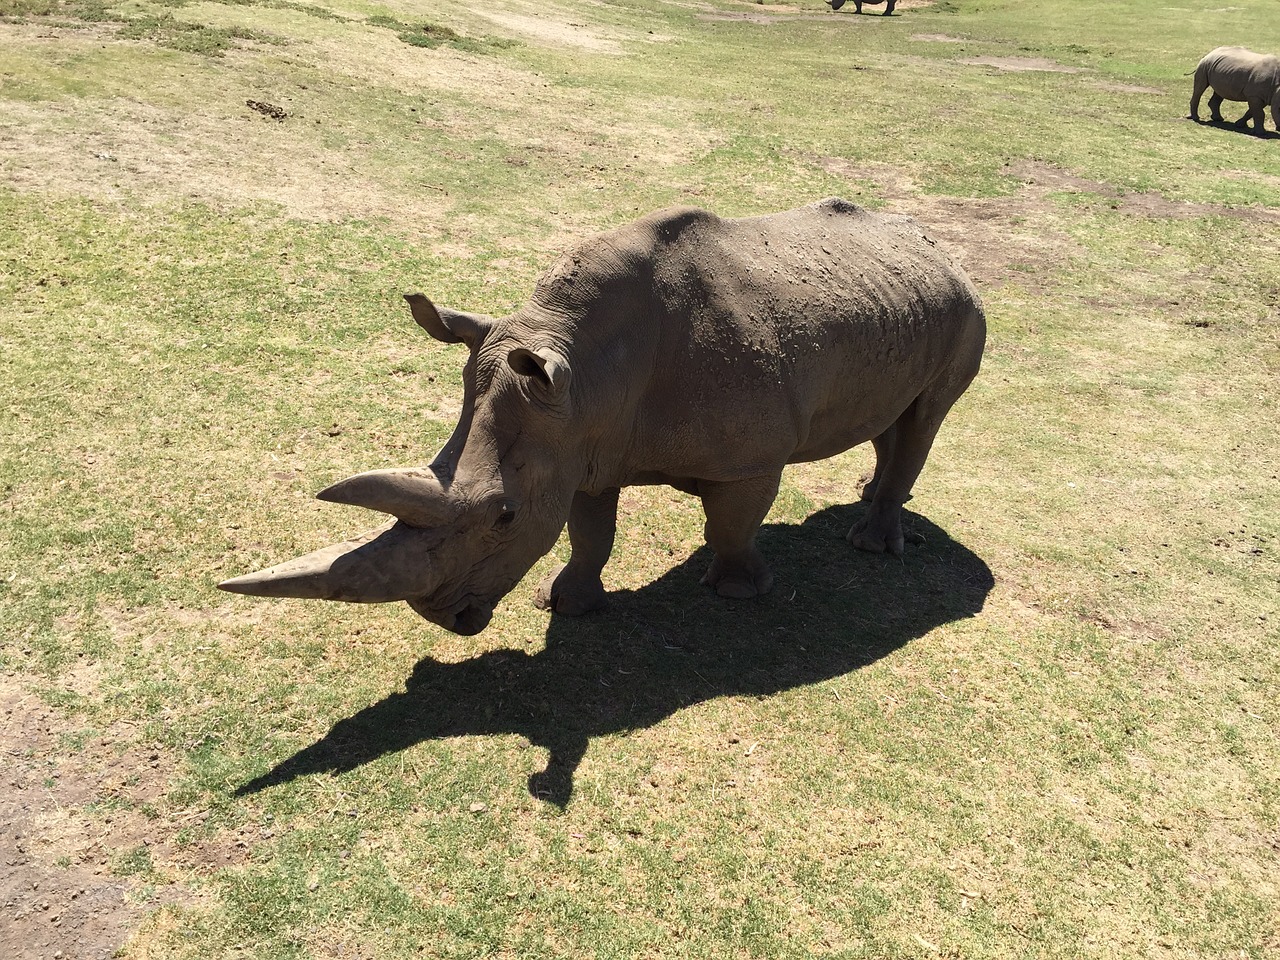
x: 1233, y: 126
x: 669, y: 645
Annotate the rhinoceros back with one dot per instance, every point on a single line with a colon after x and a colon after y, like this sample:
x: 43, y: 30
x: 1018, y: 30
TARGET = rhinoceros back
x: 1237, y: 73
x: 720, y: 346
x: 800, y: 334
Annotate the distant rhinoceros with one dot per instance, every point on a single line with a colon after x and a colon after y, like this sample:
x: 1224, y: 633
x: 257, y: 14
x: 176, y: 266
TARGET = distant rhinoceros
x: 1235, y: 73
x: 857, y: 5
x: 681, y: 349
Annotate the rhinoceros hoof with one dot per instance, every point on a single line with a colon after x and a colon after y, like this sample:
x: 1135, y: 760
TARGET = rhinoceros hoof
x: 876, y: 534
x: 739, y: 583
x: 561, y: 593
x: 882, y: 536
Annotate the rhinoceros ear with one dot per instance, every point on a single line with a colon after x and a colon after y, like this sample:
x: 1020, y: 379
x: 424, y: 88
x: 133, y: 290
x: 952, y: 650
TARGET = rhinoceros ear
x: 545, y: 366
x: 448, y: 326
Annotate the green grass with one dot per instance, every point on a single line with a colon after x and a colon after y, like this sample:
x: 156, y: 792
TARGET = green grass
x: 1050, y: 731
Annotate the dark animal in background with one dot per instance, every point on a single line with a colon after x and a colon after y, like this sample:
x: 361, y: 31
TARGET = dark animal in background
x: 1235, y: 73
x: 857, y: 5
x: 681, y: 349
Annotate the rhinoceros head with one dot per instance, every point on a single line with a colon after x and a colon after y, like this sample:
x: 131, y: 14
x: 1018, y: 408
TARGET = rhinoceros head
x: 471, y: 524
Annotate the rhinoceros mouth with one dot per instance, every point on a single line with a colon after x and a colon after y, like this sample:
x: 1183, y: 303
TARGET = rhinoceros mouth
x: 466, y: 618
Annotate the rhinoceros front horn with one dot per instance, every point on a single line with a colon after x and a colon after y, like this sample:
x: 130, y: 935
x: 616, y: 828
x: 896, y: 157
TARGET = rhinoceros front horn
x: 383, y: 565
x: 390, y: 563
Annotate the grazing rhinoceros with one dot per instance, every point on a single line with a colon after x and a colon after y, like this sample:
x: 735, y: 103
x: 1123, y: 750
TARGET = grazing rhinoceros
x: 1239, y: 74
x: 681, y: 349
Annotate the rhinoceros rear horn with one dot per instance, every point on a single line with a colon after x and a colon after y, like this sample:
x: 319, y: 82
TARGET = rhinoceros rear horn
x: 386, y: 564
x: 448, y: 326
x: 414, y: 496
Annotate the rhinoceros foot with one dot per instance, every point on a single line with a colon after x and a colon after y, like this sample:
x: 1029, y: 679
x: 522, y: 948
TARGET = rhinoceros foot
x: 569, y: 593
x: 880, y: 531
x: 739, y: 580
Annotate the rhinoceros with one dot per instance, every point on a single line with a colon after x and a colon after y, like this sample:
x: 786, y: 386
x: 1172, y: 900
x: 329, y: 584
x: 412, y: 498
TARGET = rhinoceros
x: 681, y: 349
x: 888, y: 9
x: 1235, y: 73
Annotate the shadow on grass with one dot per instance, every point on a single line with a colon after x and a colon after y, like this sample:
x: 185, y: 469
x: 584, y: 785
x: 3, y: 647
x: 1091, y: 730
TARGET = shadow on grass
x: 1234, y: 126
x: 668, y: 645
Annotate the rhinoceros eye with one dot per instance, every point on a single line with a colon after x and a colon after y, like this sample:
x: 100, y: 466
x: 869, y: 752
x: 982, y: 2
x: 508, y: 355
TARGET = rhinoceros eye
x: 506, y: 514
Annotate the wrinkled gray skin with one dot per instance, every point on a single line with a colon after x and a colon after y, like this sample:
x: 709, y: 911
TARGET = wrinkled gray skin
x: 681, y: 349
x: 857, y: 5
x: 1235, y: 73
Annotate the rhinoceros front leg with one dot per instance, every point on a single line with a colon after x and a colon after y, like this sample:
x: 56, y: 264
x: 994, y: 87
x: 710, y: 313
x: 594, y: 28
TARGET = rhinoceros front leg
x: 735, y: 510
x: 576, y: 588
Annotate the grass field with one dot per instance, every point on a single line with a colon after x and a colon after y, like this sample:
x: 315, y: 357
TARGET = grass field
x: 1049, y: 731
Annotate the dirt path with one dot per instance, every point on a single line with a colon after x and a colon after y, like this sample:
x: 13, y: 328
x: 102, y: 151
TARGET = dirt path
x: 58, y: 896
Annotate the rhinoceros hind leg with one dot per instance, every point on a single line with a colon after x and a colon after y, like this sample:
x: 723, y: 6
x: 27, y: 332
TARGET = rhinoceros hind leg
x: 883, y: 446
x: 880, y: 531
x: 576, y: 587
x: 901, y: 452
x: 1215, y: 107
x: 888, y: 7
x: 1257, y: 110
x: 1199, y: 86
x: 734, y: 512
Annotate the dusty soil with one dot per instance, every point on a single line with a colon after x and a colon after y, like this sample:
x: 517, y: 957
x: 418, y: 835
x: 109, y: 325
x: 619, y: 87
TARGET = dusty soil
x: 1012, y: 239
x: 1125, y: 87
x: 557, y: 32
x: 59, y: 897
x: 1021, y: 64
x: 766, y: 14
x: 1039, y: 179
x: 89, y: 847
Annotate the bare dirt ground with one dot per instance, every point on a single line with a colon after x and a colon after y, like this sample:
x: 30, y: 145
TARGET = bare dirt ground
x: 766, y: 14
x: 75, y: 885
x: 1021, y: 64
x: 1016, y: 238
x: 58, y: 896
